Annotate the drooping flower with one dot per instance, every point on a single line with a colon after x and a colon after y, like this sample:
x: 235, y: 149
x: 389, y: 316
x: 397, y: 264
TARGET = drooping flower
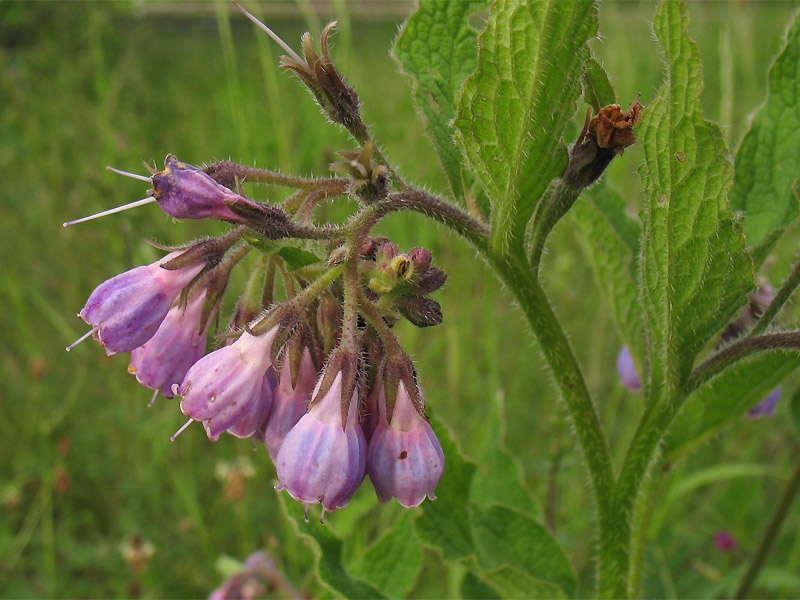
x: 766, y: 407
x: 230, y: 387
x: 289, y: 402
x: 405, y: 458
x: 626, y: 369
x: 323, y: 457
x: 164, y: 359
x: 186, y: 192
x: 127, y: 310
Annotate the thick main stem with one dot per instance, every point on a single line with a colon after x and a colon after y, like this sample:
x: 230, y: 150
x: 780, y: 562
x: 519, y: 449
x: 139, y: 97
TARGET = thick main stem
x: 517, y: 275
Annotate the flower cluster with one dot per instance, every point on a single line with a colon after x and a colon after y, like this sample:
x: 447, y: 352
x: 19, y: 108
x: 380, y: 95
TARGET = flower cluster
x: 318, y: 378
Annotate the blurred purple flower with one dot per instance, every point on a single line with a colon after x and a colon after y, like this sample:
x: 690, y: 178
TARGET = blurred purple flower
x: 626, y: 369
x: 127, y: 310
x: 725, y: 541
x: 405, y: 458
x: 766, y: 407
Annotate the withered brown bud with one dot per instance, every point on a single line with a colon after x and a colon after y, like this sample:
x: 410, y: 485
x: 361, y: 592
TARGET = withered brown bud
x: 338, y: 100
x: 603, y: 137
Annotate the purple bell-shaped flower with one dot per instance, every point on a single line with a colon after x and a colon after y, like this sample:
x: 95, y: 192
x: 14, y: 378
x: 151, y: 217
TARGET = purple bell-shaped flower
x: 229, y: 389
x: 289, y: 402
x: 127, y: 310
x: 164, y: 359
x: 766, y: 407
x: 322, y: 459
x: 405, y: 458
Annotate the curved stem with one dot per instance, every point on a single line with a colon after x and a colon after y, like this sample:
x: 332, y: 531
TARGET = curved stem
x: 226, y: 170
x: 787, y: 340
x: 770, y: 534
x: 788, y: 287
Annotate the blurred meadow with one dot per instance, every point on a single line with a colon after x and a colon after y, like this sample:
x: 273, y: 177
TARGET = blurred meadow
x: 88, y: 476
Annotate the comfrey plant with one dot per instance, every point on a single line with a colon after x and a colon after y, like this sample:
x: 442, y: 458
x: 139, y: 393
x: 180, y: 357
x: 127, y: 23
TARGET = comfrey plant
x: 321, y: 379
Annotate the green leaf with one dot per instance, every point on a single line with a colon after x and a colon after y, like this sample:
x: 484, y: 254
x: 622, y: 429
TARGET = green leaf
x: 696, y: 271
x: 767, y: 161
x: 597, y: 89
x: 515, y: 107
x: 475, y: 587
x: 726, y: 398
x: 514, y: 583
x: 498, y: 478
x: 327, y: 549
x: 508, y: 538
x: 392, y: 563
x: 610, y: 238
x: 437, y: 50
x: 297, y: 258
x: 294, y: 256
x: 687, y: 484
x: 445, y: 522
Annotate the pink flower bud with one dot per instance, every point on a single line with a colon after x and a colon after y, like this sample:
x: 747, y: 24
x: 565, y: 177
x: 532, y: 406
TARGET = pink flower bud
x: 179, y: 343
x: 127, y: 309
x: 322, y: 459
x: 230, y: 387
x: 186, y: 192
x: 289, y: 403
x: 405, y: 458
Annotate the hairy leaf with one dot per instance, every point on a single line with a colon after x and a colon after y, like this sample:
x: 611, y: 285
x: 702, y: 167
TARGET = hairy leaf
x: 696, y: 271
x: 516, y: 106
x: 767, y: 161
x: 437, y: 49
x: 597, y: 90
x: 611, y: 238
x: 726, y: 398
x: 327, y: 549
x: 498, y: 478
x: 391, y: 564
x: 506, y: 537
x: 445, y: 523
x: 794, y: 410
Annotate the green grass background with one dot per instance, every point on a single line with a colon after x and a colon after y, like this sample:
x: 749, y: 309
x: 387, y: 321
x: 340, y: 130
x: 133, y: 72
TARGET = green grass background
x: 85, y: 466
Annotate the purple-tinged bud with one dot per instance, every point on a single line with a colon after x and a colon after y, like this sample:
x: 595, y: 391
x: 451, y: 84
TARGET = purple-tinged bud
x: 230, y: 386
x: 421, y: 311
x: 725, y: 541
x: 127, y: 310
x: 431, y: 280
x: 186, y: 192
x: 164, y: 359
x: 766, y: 407
x: 626, y: 369
x: 250, y: 581
x: 322, y: 459
x: 405, y: 458
x: 289, y: 403
x: 421, y: 258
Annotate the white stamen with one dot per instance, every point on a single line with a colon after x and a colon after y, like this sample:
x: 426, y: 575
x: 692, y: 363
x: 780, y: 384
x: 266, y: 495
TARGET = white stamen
x: 129, y: 174
x: 111, y: 211
x: 269, y: 32
x: 153, y: 399
x: 180, y: 431
x: 80, y: 339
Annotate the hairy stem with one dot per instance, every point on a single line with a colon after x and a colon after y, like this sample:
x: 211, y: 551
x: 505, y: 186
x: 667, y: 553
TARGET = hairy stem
x: 788, y: 287
x: 225, y: 171
x: 787, y: 340
x: 770, y: 534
